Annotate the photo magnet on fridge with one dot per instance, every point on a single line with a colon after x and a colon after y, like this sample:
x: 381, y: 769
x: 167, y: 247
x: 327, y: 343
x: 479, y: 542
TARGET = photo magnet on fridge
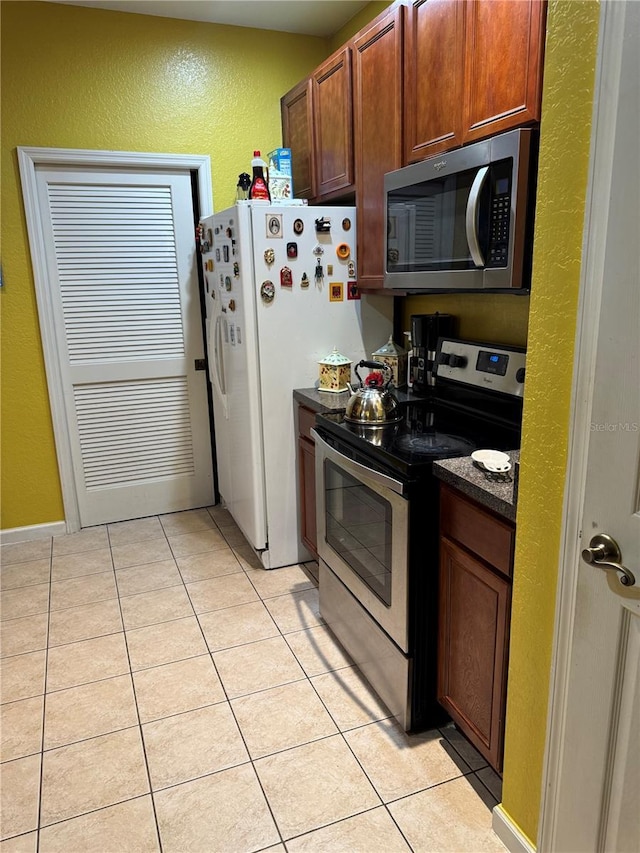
x: 274, y: 224
x: 336, y: 293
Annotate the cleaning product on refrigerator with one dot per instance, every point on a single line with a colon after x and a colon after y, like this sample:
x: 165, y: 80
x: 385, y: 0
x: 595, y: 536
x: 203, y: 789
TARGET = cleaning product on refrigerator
x: 259, y: 189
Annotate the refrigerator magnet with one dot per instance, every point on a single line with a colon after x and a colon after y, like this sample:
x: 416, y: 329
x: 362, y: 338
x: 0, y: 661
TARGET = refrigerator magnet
x: 343, y: 251
x: 352, y: 290
x: 225, y: 253
x: 269, y: 256
x: 227, y: 282
x: 292, y: 250
x: 351, y: 269
x: 218, y: 255
x: 286, y: 277
x: 304, y: 282
x: 274, y: 224
x: 346, y: 224
x: 236, y: 269
x: 267, y: 291
x: 336, y: 292
x: 298, y: 226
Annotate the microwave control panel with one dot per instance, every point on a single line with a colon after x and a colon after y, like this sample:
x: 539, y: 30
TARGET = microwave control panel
x: 499, y: 214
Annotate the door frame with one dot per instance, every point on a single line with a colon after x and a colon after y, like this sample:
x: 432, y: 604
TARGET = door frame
x: 28, y: 159
x: 606, y: 98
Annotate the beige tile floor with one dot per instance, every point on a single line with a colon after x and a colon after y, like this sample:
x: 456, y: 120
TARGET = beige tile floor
x: 160, y: 691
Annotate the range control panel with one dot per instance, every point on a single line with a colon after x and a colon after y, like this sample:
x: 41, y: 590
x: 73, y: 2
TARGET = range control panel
x: 498, y: 368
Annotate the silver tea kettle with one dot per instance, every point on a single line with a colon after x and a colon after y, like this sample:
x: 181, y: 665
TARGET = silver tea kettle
x: 372, y: 403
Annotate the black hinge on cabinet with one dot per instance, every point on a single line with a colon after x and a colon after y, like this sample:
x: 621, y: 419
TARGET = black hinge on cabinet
x: 200, y: 364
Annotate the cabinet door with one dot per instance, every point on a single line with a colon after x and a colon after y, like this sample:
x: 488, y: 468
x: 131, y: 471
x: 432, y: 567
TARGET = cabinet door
x: 378, y: 135
x: 297, y: 134
x: 504, y: 46
x: 307, y: 475
x: 333, y: 124
x: 434, y: 70
x: 472, y: 648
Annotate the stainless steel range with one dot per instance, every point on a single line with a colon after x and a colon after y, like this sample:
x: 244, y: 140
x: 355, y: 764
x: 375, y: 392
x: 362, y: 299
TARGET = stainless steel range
x: 377, y: 515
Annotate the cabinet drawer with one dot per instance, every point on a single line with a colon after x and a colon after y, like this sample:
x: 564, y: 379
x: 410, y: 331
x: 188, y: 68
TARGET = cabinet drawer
x: 479, y: 531
x: 306, y: 421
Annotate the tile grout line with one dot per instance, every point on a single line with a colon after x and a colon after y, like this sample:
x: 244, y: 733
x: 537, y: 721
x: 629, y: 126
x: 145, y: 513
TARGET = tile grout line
x: 44, y: 702
x: 316, y: 740
x: 383, y: 803
x: 135, y: 699
x: 228, y: 701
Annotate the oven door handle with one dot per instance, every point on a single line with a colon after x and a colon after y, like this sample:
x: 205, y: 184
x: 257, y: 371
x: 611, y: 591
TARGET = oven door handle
x: 355, y: 467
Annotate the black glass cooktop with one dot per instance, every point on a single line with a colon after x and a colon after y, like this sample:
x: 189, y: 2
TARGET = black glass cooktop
x: 429, y: 430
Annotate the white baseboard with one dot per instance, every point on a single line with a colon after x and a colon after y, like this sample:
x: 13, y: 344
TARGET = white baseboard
x: 33, y: 531
x: 513, y: 839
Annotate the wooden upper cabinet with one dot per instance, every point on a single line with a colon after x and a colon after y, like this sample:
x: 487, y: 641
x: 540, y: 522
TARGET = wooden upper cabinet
x: 377, y: 102
x: 504, y: 46
x: 297, y: 133
x: 333, y: 124
x: 434, y: 71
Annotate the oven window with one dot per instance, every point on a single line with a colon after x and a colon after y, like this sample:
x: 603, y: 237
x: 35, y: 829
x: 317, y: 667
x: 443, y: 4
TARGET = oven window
x: 358, y: 528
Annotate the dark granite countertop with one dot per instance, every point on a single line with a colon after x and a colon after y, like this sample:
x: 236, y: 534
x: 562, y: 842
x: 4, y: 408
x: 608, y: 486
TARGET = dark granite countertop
x: 327, y: 401
x: 321, y: 401
x: 464, y: 475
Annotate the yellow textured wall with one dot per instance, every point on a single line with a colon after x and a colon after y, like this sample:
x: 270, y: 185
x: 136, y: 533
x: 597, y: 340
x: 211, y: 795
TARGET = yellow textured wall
x: 564, y: 155
x: 493, y: 317
x: 74, y: 77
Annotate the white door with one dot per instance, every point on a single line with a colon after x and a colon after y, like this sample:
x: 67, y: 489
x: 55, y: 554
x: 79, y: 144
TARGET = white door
x: 122, y: 269
x: 592, y: 792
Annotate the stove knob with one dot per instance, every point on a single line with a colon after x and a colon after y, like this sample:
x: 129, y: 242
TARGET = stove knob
x: 457, y: 361
x: 520, y: 375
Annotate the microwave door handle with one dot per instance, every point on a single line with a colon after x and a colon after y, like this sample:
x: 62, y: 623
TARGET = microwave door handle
x: 356, y: 468
x: 472, y: 216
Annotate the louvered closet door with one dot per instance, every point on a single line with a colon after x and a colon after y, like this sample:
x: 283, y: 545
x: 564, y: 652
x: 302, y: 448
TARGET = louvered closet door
x: 122, y: 264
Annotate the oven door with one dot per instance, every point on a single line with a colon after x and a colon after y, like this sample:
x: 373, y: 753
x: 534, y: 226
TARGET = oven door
x: 363, y: 535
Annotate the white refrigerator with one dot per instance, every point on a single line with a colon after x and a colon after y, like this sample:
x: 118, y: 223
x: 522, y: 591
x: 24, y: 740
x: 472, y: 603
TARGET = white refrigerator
x: 280, y: 283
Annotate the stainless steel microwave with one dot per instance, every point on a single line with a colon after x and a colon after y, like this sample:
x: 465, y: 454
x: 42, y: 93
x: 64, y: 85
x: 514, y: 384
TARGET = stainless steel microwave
x: 463, y: 220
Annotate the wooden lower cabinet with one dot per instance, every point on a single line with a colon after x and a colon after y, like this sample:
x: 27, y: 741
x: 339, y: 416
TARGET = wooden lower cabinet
x: 307, y: 471
x: 474, y: 615
x: 307, y: 479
